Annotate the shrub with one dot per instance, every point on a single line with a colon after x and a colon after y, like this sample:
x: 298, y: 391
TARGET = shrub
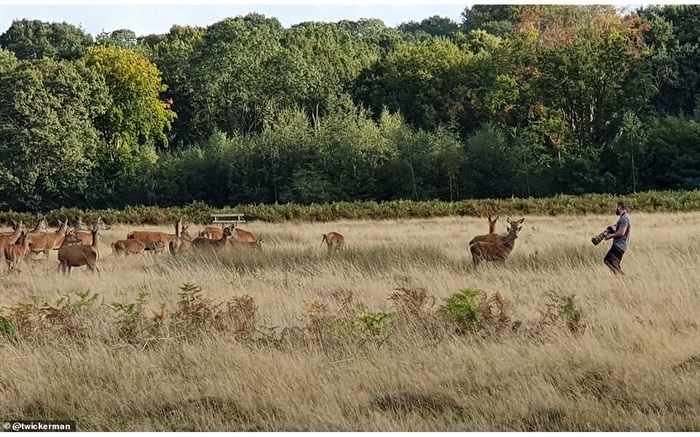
x: 473, y: 310
x: 7, y: 328
x: 462, y: 309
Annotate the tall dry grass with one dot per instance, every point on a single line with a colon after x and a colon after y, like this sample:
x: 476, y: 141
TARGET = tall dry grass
x: 328, y: 343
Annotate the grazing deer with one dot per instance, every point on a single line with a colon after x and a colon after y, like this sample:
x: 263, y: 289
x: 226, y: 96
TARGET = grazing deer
x: 75, y: 255
x: 15, y: 253
x: 182, y: 241
x: 154, y: 237
x: 86, y: 236
x: 128, y: 247
x: 7, y: 239
x: 492, y: 235
x: 333, y: 240
x: 245, y: 244
x: 206, y: 243
x: 45, y: 243
x: 496, y: 250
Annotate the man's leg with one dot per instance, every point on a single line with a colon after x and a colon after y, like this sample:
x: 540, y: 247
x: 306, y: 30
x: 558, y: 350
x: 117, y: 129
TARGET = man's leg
x: 612, y: 260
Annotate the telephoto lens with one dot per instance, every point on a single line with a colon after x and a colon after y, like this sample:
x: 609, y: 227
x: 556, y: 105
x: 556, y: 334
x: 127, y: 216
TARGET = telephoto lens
x: 598, y: 238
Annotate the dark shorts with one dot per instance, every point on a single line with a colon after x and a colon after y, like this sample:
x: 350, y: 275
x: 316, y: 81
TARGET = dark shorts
x: 613, y: 259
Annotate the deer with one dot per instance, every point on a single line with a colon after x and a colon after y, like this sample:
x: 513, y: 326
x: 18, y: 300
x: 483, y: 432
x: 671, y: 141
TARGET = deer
x: 86, y: 236
x: 128, y: 247
x: 7, y: 239
x: 39, y: 228
x: 206, y: 243
x: 149, y: 237
x: 245, y: 244
x: 333, y: 240
x: 492, y: 235
x: 213, y: 232
x: 182, y: 241
x: 496, y: 250
x: 15, y: 253
x: 75, y: 255
x: 45, y: 243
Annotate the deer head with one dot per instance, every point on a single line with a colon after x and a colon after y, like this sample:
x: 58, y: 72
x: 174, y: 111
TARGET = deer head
x: 492, y: 224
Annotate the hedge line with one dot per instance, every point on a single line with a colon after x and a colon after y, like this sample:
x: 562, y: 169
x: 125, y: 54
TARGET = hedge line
x: 653, y: 201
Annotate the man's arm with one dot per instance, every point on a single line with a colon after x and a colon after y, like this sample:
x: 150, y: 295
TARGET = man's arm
x: 621, y: 231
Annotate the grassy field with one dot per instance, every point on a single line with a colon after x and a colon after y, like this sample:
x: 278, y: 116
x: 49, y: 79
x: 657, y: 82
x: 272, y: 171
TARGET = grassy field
x: 365, y: 339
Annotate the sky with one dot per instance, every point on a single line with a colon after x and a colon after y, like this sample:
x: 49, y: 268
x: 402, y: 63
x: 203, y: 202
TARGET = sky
x: 148, y: 19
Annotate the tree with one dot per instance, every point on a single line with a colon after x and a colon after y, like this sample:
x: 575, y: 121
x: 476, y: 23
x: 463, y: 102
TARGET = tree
x: 48, y: 141
x: 674, y: 38
x: 136, y: 122
x: 238, y: 71
x: 432, y: 26
x: 495, y: 19
x: 172, y: 54
x: 122, y: 38
x: 415, y: 79
x: 34, y: 39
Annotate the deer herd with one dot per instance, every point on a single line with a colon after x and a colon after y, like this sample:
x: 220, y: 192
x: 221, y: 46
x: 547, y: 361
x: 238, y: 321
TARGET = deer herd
x: 78, y: 246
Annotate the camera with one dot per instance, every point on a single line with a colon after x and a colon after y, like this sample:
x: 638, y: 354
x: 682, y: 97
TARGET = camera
x: 600, y: 237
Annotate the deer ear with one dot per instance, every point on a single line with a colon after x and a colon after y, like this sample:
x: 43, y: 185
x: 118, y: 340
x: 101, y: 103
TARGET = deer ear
x: 521, y: 220
x: 489, y: 217
x: 496, y: 218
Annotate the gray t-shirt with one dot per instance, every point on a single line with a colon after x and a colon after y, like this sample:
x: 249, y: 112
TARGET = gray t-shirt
x: 621, y: 242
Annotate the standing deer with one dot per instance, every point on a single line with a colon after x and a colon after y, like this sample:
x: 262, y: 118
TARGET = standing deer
x: 156, y: 238
x: 15, y: 253
x: 39, y: 228
x: 45, y: 243
x: 7, y: 239
x: 496, y: 250
x: 333, y: 240
x: 76, y: 255
x: 182, y: 241
x: 86, y: 236
x: 492, y: 235
x: 206, y: 243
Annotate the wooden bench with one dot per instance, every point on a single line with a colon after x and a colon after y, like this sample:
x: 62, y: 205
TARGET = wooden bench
x: 227, y: 219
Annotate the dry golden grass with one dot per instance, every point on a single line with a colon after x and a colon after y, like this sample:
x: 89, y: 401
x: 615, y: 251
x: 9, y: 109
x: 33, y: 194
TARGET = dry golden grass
x: 635, y: 366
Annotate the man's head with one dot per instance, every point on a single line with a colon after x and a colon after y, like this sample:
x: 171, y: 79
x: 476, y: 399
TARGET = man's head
x: 621, y: 208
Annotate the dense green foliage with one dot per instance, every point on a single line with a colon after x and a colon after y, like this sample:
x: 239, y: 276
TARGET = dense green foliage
x: 197, y: 212
x: 512, y: 101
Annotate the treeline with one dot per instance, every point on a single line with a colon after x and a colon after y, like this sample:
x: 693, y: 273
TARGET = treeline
x: 511, y: 101
x: 198, y: 212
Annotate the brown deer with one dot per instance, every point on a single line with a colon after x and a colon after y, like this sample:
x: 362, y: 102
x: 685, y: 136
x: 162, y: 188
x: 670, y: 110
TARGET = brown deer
x: 333, y: 240
x: 15, y: 253
x: 7, y: 239
x: 81, y: 226
x: 492, y: 235
x: 45, y: 243
x: 496, y: 250
x: 39, y: 227
x: 243, y: 236
x: 182, y: 241
x: 245, y: 244
x: 206, y: 243
x: 155, y: 237
x: 213, y: 232
x: 86, y: 236
x: 75, y: 255
x: 128, y: 247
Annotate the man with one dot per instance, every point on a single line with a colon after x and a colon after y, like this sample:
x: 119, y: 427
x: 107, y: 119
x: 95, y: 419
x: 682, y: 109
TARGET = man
x: 620, y: 240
